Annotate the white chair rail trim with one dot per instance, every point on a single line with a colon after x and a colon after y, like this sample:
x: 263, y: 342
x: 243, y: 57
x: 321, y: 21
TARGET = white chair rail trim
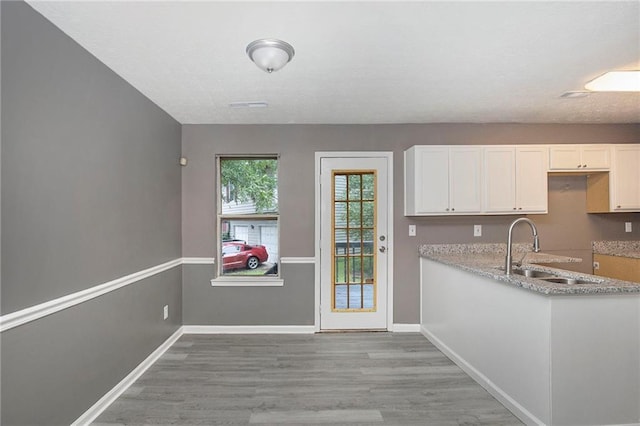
x: 32, y: 313
x: 198, y: 261
x: 300, y: 260
x: 41, y: 310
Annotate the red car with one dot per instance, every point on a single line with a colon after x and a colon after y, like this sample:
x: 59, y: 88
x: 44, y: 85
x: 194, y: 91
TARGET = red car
x: 237, y: 255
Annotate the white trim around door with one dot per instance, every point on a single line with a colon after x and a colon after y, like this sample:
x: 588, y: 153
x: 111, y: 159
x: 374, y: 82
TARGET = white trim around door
x: 389, y: 237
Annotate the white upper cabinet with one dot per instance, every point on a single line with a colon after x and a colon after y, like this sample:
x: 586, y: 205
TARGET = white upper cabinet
x: 532, y: 193
x: 579, y: 157
x: 625, y: 178
x: 441, y: 180
x: 424, y: 167
x: 515, y: 179
x: 500, y: 179
x: 465, y: 179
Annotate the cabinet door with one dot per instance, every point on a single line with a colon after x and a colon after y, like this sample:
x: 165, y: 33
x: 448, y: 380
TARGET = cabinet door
x: 620, y: 268
x: 625, y: 178
x: 432, y: 180
x: 465, y: 180
x: 499, y: 180
x: 596, y: 157
x: 563, y: 157
x: 531, y: 179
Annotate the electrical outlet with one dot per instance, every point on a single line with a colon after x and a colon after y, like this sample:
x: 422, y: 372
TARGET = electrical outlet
x: 477, y: 230
x: 412, y: 230
x: 166, y: 311
x: 596, y: 266
x: 628, y: 227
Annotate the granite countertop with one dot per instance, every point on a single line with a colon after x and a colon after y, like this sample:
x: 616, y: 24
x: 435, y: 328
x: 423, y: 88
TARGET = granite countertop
x: 618, y: 248
x: 487, y: 260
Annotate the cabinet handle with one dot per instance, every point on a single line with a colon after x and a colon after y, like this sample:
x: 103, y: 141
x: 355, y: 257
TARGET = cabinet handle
x: 514, y: 208
x: 618, y: 207
x: 584, y: 165
x: 447, y: 209
x: 519, y: 208
x: 453, y: 210
x: 579, y: 166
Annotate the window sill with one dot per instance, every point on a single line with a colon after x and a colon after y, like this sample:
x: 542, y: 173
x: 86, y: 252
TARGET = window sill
x: 247, y: 282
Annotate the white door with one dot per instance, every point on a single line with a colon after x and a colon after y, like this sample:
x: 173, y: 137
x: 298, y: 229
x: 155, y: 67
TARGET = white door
x: 241, y: 233
x: 269, y: 239
x: 354, y: 243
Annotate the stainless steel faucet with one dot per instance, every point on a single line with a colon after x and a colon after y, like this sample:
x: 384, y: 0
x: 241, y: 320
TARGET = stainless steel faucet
x: 536, y: 243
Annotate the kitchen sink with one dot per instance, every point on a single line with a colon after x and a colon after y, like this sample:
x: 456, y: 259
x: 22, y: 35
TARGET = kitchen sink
x: 533, y: 274
x: 549, y: 277
x: 563, y: 280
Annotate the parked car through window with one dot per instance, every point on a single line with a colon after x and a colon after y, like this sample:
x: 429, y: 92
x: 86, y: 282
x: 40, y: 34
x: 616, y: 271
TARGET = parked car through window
x: 237, y: 255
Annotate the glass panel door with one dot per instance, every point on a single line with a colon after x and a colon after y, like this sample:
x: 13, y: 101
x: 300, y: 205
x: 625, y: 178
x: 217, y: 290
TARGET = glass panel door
x: 353, y: 230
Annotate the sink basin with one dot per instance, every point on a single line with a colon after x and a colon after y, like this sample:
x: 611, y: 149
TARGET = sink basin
x: 533, y: 274
x: 549, y: 277
x: 562, y: 280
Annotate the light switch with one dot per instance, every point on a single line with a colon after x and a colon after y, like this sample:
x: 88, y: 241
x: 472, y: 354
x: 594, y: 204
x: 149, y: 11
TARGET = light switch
x: 412, y: 230
x: 628, y: 227
x: 477, y: 230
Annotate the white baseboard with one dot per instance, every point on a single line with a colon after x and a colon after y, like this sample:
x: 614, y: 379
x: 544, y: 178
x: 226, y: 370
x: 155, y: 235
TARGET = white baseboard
x: 248, y: 329
x: 92, y: 413
x: 406, y: 328
x: 511, y: 404
x: 276, y: 329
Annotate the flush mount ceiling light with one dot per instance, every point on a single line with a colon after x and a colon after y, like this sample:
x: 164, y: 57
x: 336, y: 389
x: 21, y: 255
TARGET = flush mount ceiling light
x: 575, y: 95
x: 616, y: 81
x: 270, y: 54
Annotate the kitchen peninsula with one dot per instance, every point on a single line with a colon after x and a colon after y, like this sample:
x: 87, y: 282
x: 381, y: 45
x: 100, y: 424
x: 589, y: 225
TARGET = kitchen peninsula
x: 553, y: 353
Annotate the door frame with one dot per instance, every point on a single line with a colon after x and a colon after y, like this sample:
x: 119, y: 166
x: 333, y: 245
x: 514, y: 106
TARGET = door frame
x: 388, y: 155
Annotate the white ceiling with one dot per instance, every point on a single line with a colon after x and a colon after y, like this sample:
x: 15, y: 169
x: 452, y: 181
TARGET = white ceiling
x: 367, y: 62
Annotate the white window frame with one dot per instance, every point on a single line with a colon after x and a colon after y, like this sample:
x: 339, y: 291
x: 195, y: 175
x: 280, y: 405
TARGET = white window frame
x: 222, y: 280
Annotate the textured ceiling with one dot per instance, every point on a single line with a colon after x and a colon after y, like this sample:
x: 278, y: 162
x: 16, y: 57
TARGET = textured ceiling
x: 366, y: 62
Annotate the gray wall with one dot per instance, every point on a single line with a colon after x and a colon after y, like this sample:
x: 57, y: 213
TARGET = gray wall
x: 90, y: 193
x: 567, y: 229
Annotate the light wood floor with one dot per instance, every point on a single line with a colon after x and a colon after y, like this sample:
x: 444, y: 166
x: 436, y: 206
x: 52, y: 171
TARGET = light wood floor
x: 345, y: 378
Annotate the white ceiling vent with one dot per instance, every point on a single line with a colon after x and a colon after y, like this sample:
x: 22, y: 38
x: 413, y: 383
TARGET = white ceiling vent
x: 250, y: 104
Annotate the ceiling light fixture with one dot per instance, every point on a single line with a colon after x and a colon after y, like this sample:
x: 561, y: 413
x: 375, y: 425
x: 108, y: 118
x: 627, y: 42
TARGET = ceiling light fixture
x: 270, y: 54
x: 616, y: 81
x: 575, y: 95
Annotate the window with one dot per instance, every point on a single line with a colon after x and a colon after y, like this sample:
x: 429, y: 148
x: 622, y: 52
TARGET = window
x: 248, y: 217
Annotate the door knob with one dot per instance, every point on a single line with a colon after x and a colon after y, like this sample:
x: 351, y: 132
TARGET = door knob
x: 382, y: 249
